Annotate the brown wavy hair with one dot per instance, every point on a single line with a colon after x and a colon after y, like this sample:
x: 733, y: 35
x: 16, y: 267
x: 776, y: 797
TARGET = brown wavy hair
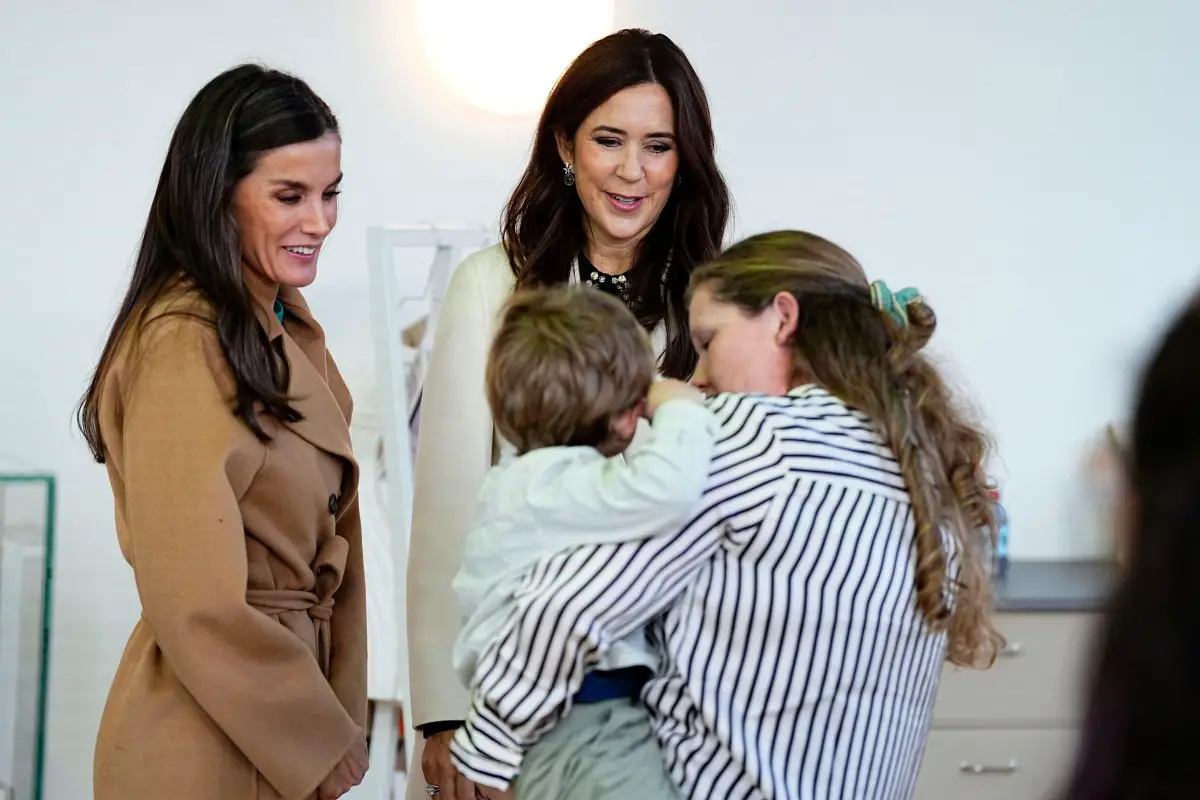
x: 542, y: 229
x: 874, y: 364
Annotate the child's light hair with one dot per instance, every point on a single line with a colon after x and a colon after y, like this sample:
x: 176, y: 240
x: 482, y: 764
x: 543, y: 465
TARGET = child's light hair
x: 564, y: 363
x: 867, y: 353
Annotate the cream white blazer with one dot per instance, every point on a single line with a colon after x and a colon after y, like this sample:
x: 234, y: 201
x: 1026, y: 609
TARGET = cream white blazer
x: 454, y: 450
x: 456, y: 446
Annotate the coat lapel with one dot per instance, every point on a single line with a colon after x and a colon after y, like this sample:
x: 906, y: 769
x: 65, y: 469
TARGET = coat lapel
x: 315, y: 388
x: 324, y: 423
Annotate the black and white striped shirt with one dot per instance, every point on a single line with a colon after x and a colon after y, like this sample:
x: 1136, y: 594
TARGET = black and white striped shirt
x: 796, y: 661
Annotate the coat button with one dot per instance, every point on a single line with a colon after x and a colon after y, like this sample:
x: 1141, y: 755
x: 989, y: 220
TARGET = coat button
x: 333, y: 504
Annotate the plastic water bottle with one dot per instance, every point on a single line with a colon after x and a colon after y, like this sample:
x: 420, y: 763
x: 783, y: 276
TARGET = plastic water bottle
x: 1001, y: 563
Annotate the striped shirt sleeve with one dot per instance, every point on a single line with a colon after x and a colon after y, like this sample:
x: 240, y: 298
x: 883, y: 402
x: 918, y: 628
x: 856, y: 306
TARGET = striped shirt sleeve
x: 574, y: 603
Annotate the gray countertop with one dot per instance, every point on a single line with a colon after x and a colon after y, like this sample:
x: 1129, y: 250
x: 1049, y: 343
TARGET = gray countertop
x: 1055, y: 586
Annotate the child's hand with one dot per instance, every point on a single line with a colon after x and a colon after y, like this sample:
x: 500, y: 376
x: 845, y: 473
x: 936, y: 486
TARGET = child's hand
x: 488, y: 793
x: 670, y: 389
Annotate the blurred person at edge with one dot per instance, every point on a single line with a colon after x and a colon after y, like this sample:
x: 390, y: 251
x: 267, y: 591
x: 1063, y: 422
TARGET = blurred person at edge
x: 1145, y: 688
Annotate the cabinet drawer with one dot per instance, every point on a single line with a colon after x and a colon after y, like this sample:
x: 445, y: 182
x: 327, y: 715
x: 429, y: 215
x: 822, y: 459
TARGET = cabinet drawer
x: 1038, y: 680
x: 995, y: 765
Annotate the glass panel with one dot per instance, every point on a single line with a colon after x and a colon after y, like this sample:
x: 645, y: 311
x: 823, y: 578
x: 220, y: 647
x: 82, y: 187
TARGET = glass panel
x: 27, y: 498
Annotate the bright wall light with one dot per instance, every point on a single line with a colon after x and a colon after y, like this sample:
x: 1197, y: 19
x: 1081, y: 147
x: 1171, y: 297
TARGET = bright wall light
x: 505, y: 55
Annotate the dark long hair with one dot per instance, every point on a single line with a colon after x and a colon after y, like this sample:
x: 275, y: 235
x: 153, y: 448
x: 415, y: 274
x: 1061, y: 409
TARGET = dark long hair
x: 191, y: 238
x: 1145, y: 692
x: 543, y: 225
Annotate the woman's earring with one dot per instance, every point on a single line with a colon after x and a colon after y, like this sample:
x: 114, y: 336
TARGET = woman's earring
x: 569, y: 174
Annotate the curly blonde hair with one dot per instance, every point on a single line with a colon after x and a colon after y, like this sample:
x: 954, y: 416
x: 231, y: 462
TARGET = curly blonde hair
x: 873, y: 362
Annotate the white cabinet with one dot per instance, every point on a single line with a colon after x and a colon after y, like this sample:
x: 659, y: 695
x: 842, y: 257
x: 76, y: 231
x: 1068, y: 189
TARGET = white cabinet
x: 995, y: 764
x: 1010, y: 732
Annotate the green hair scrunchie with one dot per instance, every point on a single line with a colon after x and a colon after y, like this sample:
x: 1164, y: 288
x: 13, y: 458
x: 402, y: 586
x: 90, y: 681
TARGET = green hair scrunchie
x: 893, y: 304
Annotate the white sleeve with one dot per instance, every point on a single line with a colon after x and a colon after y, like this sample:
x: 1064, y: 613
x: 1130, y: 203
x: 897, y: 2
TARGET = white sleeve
x: 651, y: 491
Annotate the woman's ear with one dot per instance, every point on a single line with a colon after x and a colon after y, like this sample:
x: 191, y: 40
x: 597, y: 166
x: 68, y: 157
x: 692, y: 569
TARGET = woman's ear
x: 787, y: 314
x: 566, y: 148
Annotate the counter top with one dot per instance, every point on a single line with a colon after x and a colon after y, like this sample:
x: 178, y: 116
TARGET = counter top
x: 1056, y: 586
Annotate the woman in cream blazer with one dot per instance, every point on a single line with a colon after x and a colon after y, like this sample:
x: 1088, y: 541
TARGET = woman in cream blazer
x: 623, y: 194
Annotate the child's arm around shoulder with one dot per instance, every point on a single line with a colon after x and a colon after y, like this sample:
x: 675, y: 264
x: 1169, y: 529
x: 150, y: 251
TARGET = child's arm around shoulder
x: 683, y: 432
x: 652, y: 490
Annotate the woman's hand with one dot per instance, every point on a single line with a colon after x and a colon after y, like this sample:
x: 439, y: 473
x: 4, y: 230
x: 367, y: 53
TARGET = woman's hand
x: 438, y: 770
x: 348, y: 773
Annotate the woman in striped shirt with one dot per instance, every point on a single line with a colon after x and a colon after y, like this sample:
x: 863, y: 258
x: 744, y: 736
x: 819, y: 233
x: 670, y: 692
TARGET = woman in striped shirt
x: 835, y: 561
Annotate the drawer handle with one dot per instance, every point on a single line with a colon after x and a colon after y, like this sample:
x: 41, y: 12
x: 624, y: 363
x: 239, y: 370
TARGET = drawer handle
x: 1011, y: 650
x: 989, y: 769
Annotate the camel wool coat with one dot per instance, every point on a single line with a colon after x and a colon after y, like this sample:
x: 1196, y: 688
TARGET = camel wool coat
x: 245, y: 678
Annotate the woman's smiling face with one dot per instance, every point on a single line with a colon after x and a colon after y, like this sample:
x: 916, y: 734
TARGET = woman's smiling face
x: 625, y: 162
x: 287, y: 207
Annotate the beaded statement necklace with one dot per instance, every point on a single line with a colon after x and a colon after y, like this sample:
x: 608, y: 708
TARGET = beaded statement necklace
x: 616, y: 285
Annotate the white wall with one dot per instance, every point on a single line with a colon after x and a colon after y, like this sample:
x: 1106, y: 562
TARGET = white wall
x: 1030, y: 165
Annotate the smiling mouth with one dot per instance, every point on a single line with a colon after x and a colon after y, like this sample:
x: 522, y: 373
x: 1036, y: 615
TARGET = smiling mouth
x: 304, y: 251
x: 624, y: 201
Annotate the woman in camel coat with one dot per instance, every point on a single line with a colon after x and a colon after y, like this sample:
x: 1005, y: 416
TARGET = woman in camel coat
x: 224, y: 425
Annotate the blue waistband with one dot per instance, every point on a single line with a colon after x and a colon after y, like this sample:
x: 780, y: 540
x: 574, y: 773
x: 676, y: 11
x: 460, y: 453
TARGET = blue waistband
x: 617, y: 684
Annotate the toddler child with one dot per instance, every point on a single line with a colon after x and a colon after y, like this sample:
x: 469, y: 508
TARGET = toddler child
x: 570, y: 373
